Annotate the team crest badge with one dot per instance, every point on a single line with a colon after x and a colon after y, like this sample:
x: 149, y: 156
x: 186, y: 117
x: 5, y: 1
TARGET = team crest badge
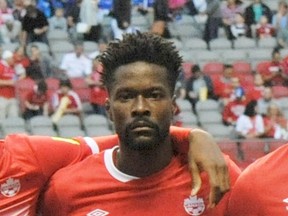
x: 98, y: 212
x: 11, y: 187
x: 194, y: 206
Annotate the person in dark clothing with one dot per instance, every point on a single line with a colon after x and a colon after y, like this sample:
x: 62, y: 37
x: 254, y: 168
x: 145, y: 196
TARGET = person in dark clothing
x: 161, y: 17
x: 121, y: 23
x: 254, y: 12
x: 198, y: 87
x: 34, y: 26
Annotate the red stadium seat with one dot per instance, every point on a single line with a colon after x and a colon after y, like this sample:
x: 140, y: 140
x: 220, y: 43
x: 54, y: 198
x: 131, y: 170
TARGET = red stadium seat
x: 246, y: 80
x: 280, y: 91
x: 82, y: 89
x: 242, y: 67
x: 22, y: 88
x: 213, y: 68
x: 261, y: 67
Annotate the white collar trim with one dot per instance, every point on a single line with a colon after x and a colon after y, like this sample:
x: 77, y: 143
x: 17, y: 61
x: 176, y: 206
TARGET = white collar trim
x: 111, y: 168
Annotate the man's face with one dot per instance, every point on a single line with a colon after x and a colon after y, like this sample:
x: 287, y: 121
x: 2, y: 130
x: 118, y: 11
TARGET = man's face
x: 141, y: 105
x: 79, y: 50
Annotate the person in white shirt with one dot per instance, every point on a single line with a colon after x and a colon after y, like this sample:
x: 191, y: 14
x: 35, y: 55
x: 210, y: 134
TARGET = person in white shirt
x: 76, y: 64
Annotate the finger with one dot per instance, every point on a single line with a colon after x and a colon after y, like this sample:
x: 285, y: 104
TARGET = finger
x: 196, y: 179
x: 224, y: 179
x: 214, y: 185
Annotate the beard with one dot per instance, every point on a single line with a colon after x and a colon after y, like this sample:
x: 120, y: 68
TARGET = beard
x: 144, y: 140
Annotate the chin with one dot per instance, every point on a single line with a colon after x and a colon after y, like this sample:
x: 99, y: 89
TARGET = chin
x: 142, y: 143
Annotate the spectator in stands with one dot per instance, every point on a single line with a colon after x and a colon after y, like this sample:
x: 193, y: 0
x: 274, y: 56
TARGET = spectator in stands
x: 76, y: 64
x: 239, y: 28
x: 19, y: 10
x: 34, y: 26
x: 276, y: 125
x: 279, y: 19
x: 223, y: 87
x: 234, y: 108
x: 21, y: 61
x: 73, y: 17
x: 161, y: 18
x: 228, y: 14
x: 102, y: 45
x: 198, y: 87
x: 65, y: 101
x: 264, y: 29
x: 213, y: 22
x: 253, y: 14
x: 276, y: 72
x: 257, y: 90
x: 98, y: 93
x: 91, y: 15
x: 36, y: 102
x: 8, y: 101
x: 250, y: 124
x: 266, y: 100
x: 58, y: 21
x: 40, y: 65
x: 10, y: 31
x: 121, y: 23
x: 6, y: 13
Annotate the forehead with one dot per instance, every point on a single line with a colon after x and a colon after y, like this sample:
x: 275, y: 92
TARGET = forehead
x: 141, y: 75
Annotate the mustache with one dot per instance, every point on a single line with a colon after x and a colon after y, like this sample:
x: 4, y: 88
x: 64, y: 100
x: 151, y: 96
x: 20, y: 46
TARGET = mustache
x: 142, y: 122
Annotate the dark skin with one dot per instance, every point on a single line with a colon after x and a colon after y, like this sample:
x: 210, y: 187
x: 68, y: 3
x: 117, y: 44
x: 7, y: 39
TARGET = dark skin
x: 157, y: 104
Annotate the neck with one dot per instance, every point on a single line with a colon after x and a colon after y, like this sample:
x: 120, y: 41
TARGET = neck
x: 143, y: 163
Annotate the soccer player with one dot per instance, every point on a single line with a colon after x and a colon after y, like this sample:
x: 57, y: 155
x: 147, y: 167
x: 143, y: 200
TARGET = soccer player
x: 143, y: 176
x: 262, y: 189
x: 27, y: 162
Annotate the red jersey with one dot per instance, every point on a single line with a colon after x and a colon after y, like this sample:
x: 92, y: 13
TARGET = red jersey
x: 265, y: 31
x: 96, y: 187
x: 222, y: 88
x: 75, y: 101
x: 98, y: 95
x: 7, y: 73
x: 27, y: 163
x: 37, y: 99
x: 272, y: 68
x: 262, y: 188
x: 233, y: 110
x: 255, y: 93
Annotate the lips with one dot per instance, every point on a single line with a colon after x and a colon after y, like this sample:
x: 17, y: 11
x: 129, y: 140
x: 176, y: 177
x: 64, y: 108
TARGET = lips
x: 141, y: 125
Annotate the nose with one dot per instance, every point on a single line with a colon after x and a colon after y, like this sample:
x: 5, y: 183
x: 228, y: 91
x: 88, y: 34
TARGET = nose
x: 140, y: 107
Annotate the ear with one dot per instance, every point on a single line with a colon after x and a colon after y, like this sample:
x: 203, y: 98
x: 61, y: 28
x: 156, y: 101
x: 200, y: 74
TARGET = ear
x: 108, y: 110
x: 174, y: 105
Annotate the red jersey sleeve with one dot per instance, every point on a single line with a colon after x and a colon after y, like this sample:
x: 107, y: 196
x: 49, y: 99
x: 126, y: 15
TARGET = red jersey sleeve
x: 179, y: 138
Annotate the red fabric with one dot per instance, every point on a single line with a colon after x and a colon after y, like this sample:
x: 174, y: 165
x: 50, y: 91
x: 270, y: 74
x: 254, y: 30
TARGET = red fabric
x: 36, y: 99
x: 7, y: 73
x: 221, y: 88
x: 23, y: 60
x: 265, y: 31
x: 175, y: 4
x: 233, y: 110
x: 98, y: 95
x: 254, y: 93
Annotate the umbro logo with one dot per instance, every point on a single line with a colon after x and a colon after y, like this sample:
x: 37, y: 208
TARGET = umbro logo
x: 98, y: 212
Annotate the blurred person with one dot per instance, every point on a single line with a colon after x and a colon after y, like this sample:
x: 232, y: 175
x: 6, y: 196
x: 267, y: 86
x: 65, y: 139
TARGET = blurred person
x: 10, y: 31
x: 279, y: 19
x: 266, y: 100
x: 198, y: 87
x: 40, y: 65
x: 36, y: 101
x: 19, y: 10
x: 65, y: 101
x: 250, y: 124
x: 239, y: 28
x: 213, y: 12
x: 98, y: 93
x: 73, y: 17
x: 58, y: 21
x: 228, y: 15
x: 276, y: 72
x: 34, y: 26
x: 234, y: 108
x: 76, y: 64
x: 276, y: 125
x: 92, y: 15
x: 253, y: 14
x: 8, y: 101
x: 161, y: 18
x: 141, y: 108
x: 21, y: 61
x: 257, y: 90
x: 6, y: 13
x: 121, y: 23
x: 102, y: 45
x: 264, y: 29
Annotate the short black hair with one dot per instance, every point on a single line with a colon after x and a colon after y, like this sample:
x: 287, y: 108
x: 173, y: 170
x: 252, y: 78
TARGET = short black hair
x: 250, y: 108
x: 145, y: 47
x: 42, y: 86
x: 195, y: 68
x: 66, y: 83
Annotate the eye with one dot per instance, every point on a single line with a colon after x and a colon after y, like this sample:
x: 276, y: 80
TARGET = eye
x: 125, y: 96
x: 155, y: 95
